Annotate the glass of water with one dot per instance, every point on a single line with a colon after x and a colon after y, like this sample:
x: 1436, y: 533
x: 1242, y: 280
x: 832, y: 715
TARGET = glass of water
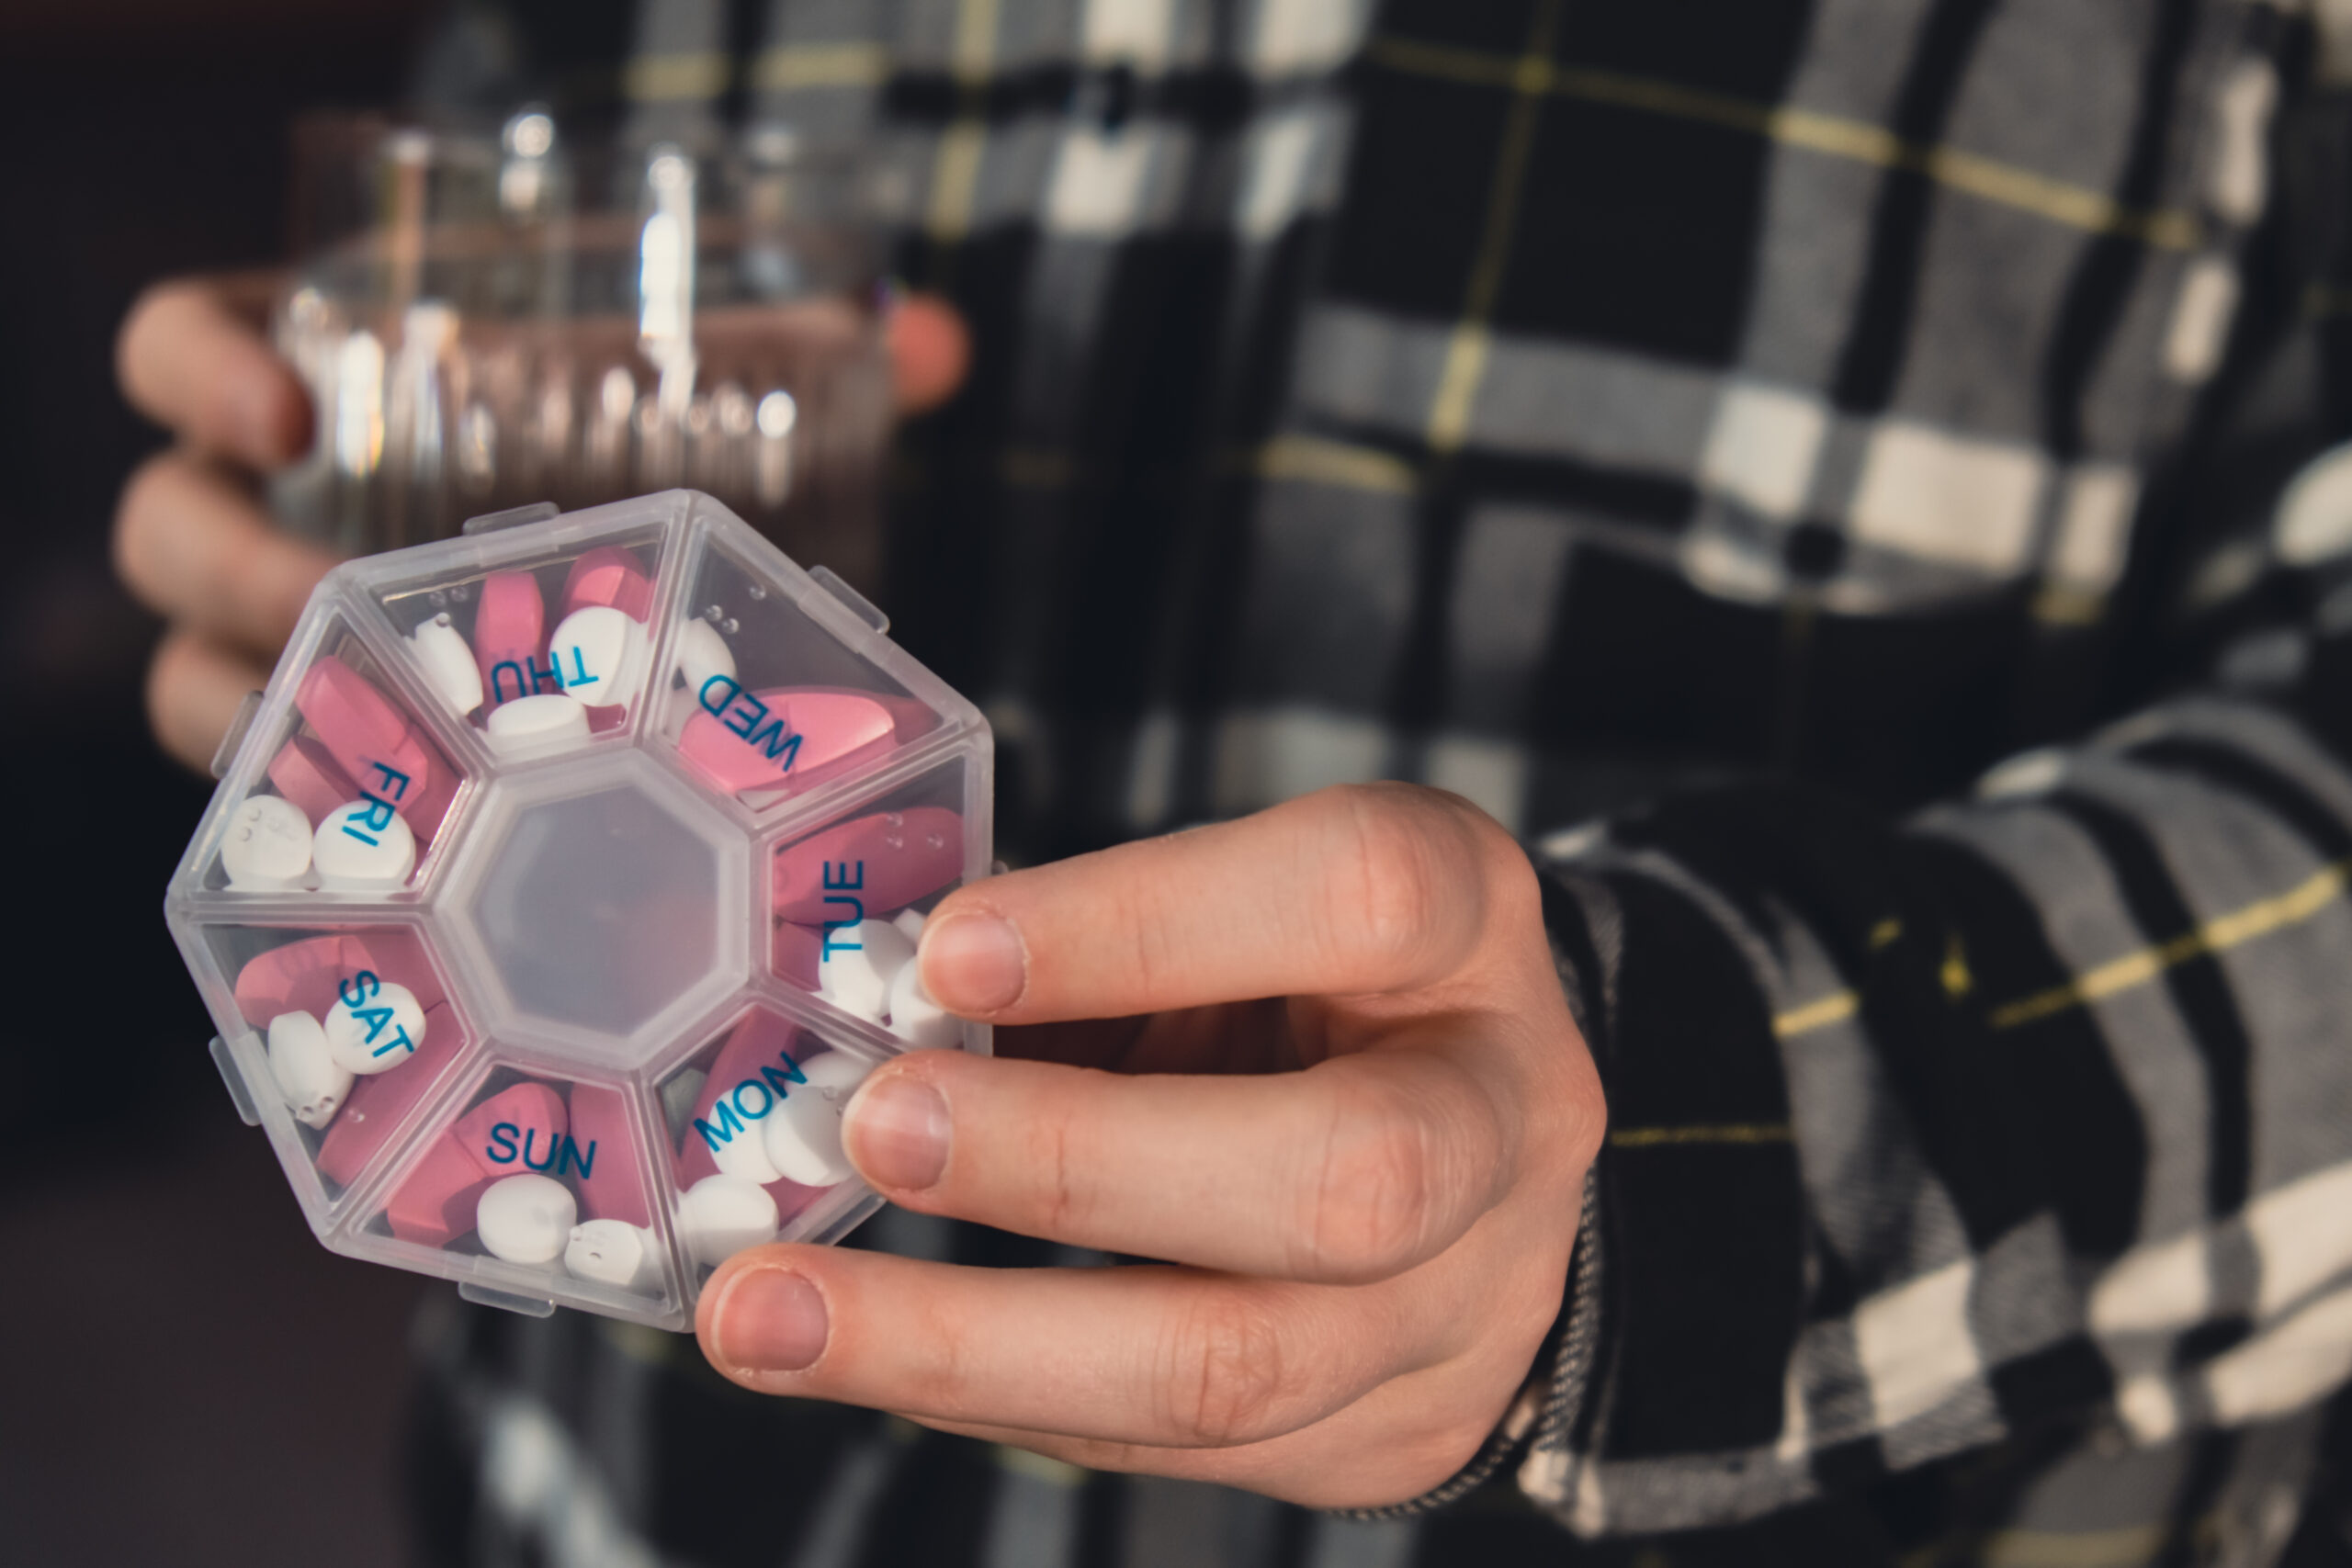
x: 487, y: 320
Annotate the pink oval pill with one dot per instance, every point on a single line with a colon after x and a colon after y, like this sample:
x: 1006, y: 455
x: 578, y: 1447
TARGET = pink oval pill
x: 434, y: 1202
x: 374, y: 742
x: 604, y: 1161
x: 743, y: 740
x: 794, y: 954
x: 305, y: 775
x: 520, y: 1126
x: 609, y: 575
x: 869, y: 866
x: 510, y: 637
x: 380, y: 1102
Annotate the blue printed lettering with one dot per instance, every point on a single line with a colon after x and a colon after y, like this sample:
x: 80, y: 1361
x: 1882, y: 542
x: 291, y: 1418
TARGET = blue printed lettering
x: 729, y: 1125
x: 580, y: 676
x: 767, y: 1101
x: 398, y: 1042
x: 744, y: 716
x: 501, y: 1148
x: 852, y: 876
x: 358, y: 988
x: 555, y: 1151
x: 702, y: 695
x: 586, y: 1163
x: 551, y: 675
x: 779, y: 1082
x: 395, y: 783
x: 771, y: 737
x: 498, y: 691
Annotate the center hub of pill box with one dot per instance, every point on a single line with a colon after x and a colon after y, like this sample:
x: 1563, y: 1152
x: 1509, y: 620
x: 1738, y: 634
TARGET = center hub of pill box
x: 605, y: 902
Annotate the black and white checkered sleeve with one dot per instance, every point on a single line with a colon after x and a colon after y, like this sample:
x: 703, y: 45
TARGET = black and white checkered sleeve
x: 1922, y: 1132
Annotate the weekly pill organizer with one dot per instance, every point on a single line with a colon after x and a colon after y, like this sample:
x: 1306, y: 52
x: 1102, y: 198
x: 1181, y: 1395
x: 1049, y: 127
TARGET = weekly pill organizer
x: 562, y: 888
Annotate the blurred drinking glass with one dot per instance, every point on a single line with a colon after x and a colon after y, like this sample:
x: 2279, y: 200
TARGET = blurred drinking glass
x: 489, y: 321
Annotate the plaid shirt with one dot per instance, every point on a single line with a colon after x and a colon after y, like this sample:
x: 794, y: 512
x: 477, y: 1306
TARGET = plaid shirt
x: 1708, y: 437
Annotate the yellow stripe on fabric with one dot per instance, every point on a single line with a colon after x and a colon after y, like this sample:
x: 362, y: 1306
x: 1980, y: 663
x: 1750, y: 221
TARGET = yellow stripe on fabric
x: 2005, y: 185
x: 675, y: 78
x: 1466, y: 351
x: 789, y: 66
x: 1815, y: 1015
x: 2220, y: 934
x: 1317, y: 461
x: 1734, y: 1132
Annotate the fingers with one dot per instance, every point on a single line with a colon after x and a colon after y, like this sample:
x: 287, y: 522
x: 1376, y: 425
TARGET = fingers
x: 930, y: 350
x: 197, y: 551
x: 1355, y: 1169
x: 193, y: 690
x: 1378, y: 888
x: 1158, y: 1356
x: 190, y: 358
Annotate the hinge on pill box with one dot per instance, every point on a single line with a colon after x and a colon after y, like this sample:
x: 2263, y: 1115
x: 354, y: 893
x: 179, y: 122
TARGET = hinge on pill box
x: 483, y: 1295
x: 865, y: 609
x: 226, y: 753
x: 491, y: 522
x: 235, y: 1079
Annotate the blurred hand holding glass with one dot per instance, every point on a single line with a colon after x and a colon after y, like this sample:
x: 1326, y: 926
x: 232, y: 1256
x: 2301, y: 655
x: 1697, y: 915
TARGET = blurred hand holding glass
x: 489, y: 321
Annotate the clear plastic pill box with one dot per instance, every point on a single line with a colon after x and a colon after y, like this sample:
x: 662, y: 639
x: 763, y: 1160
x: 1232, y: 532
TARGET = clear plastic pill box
x: 561, y: 889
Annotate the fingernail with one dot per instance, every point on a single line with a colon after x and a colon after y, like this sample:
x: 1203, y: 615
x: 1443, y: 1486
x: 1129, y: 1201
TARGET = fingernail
x: 772, y: 1321
x: 896, y: 1130
x: 974, y: 964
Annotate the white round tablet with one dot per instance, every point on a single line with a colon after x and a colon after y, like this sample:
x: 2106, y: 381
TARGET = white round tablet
x: 375, y: 1025
x: 363, y: 845
x: 745, y: 1159
x: 910, y: 924
x: 611, y: 1252
x: 857, y: 963
x: 526, y: 1219
x: 719, y: 1216
x: 804, y: 1135
x: 268, y: 844
x: 919, y: 1021
x: 529, y: 722
x: 703, y: 653
x: 309, y: 1078
x: 447, y: 663
x: 600, y: 654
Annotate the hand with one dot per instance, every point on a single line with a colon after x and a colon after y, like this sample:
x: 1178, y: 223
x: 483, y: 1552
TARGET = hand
x: 1355, y: 1116
x: 192, y: 542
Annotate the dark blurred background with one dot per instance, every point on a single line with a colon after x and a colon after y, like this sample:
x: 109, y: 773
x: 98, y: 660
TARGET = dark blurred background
x: 185, y: 1376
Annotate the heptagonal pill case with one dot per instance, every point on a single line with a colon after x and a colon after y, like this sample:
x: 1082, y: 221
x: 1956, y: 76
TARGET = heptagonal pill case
x: 562, y: 888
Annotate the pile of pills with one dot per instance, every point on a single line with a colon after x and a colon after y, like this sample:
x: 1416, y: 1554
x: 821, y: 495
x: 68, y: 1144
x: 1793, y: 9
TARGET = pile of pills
x: 563, y: 889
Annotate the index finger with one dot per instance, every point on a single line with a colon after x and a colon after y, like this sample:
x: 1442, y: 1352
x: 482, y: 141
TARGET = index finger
x: 190, y: 356
x: 1380, y: 889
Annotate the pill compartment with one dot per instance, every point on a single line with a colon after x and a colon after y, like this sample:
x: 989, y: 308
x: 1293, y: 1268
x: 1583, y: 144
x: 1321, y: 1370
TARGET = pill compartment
x: 339, y: 1034
x: 591, y: 925
x: 540, y: 654
x: 351, y: 791
x: 753, y: 1123
x: 848, y: 899
x: 775, y: 689
x: 532, y: 1181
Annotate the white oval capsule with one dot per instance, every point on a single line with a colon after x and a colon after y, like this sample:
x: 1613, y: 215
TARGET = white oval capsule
x: 528, y: 723
x: 448, y: 665
x: 719, y: 1216
x: 526, y: 1219
x: 600, y: 655
x: 857, y: 963
x: 363, y: 845
x: 611, y: 1252
x: 375, y: 1025
x: 804, y: 1135
x: 703, y: 654
x: 268, y: 844
x: 311, y: 1081
x: 919, y: 1021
